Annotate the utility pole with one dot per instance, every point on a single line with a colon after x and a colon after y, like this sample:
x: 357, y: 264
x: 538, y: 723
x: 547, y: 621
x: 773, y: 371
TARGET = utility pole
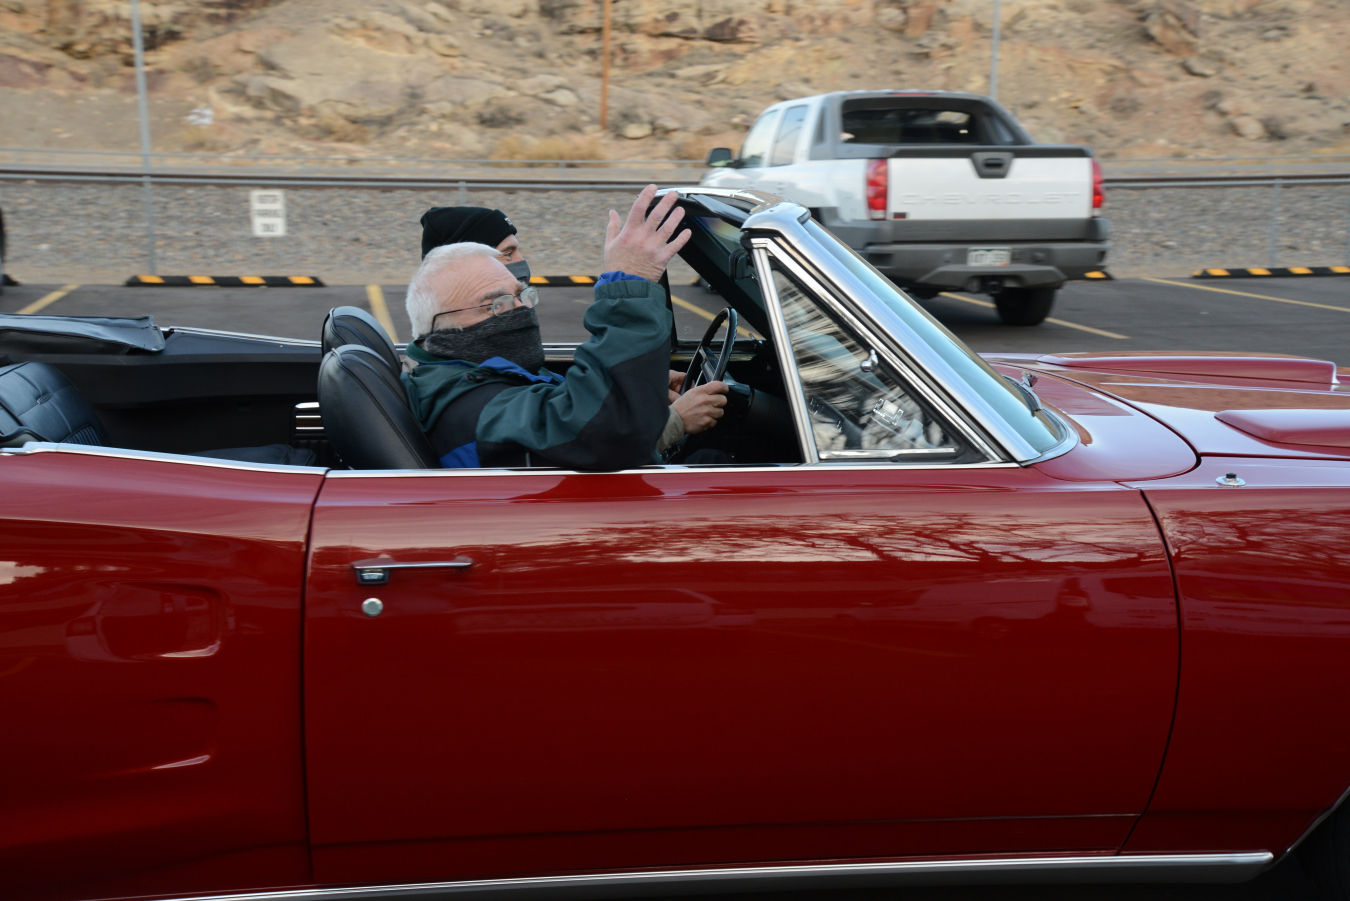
x: 993, y: 61
x: 604, y: 64
x: 143, y: 106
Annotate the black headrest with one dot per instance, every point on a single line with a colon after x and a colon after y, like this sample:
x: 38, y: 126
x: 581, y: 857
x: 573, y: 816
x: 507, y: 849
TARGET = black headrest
x: 38, y: 403
x: 365, y: 413
x: 353, y: 325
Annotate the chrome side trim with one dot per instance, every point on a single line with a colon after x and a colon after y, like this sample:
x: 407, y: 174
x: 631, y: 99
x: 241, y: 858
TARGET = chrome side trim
x: 1216, y: 868
x: 871, y: 466
x: 44, y: 447
x: 192, y: 329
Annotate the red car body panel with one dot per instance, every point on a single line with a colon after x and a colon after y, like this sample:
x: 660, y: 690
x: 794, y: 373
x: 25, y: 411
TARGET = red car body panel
x: 695, y: 667
x: 150, y: 619
x: 674, y: 667
x: 1116, y: 441
x: 1188, y: 405
x: 1263, y: 573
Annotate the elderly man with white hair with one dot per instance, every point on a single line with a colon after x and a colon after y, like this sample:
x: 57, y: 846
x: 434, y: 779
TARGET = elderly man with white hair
x: 482, y: 394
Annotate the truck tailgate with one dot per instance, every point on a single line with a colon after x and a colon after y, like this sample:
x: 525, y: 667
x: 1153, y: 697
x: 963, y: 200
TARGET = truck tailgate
x: 1017, y: 183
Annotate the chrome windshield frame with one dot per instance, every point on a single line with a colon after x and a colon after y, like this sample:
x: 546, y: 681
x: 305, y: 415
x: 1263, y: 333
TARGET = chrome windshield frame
x: 937, y: 399
x: 780, y: 222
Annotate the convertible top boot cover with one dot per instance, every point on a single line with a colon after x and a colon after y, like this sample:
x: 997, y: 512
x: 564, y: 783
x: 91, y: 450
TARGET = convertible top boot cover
x: 38, y: 403
x: 366, y: 415
x: 353, y: 325
x: 79, y: 335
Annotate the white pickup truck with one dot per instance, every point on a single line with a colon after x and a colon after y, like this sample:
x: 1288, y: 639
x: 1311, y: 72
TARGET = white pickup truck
x: 939, y: 190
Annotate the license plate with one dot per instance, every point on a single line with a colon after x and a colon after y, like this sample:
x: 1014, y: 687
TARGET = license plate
x: 989, y: 256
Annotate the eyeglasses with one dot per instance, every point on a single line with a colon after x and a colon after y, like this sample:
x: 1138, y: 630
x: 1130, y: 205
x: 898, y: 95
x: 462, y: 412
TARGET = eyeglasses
x: 500, y: 305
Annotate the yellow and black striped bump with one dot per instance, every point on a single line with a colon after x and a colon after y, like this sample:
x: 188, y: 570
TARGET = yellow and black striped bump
x: 561, y: 281
x: 1290, y: 272
x: 226, y: 281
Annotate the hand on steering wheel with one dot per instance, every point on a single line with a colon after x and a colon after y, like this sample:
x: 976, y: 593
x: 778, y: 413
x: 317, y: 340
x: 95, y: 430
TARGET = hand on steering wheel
x: 703, y: 368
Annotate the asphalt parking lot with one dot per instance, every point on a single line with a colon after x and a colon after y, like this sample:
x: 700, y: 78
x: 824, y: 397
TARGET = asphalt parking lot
x: 1305, y: 316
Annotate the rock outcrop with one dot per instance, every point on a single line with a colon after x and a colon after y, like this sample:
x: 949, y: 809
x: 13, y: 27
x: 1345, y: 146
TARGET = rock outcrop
x: 458, y: 78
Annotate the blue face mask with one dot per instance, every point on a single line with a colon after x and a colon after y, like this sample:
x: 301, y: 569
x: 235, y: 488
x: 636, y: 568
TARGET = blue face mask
x: 520, y: 271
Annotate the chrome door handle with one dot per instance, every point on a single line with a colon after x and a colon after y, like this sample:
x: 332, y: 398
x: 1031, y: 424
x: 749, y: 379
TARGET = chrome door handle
x: 376, y: 572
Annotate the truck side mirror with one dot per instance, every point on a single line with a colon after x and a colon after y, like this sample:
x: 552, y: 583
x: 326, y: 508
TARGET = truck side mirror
x: 719, y: 156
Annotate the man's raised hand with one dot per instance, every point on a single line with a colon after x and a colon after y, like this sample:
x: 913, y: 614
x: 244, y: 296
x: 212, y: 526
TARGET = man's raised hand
x: 642, y: 245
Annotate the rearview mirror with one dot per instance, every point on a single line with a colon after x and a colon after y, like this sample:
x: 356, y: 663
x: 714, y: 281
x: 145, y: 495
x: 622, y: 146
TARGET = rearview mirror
x: 719, y: 156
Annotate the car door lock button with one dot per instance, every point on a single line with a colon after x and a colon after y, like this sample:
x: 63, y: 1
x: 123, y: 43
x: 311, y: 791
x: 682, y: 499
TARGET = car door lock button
x: 372, y: 606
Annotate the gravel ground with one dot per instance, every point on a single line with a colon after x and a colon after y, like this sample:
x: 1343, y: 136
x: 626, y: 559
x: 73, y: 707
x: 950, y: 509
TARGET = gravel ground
x: 95, y: 233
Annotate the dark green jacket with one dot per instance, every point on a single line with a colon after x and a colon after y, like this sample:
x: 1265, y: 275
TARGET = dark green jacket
x: 607, y: 414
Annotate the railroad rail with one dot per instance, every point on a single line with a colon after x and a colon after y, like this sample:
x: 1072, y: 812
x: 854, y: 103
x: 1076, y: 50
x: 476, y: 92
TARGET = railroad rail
x: 529, y: 180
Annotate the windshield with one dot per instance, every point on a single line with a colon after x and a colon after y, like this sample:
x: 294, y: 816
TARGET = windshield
x: 1035, y: 428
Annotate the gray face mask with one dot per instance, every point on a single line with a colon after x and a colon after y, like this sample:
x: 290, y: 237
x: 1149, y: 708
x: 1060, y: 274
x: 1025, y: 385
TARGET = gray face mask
x: 520, y: 271
x: 513, y: 335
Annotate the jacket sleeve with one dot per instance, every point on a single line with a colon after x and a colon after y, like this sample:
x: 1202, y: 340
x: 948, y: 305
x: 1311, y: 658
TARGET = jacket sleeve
x: 613, y: 406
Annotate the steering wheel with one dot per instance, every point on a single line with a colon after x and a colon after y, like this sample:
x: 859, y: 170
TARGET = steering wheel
x: 703, y: 368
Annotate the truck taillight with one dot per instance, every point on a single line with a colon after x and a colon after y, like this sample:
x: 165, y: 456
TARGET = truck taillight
x: 1098, y: 196
x: 876, y: 188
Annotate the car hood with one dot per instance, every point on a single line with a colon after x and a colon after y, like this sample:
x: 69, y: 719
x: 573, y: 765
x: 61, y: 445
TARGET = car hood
x: 1222, y: 404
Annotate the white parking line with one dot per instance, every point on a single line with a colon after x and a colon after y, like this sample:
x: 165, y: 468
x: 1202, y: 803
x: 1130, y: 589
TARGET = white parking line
x: 43, y: 303
x: 1050, y: 319
x: 1302, y: 303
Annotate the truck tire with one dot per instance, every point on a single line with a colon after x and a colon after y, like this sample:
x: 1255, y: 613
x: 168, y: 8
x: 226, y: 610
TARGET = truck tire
x: 1325, y: 856
x: 1024, y: 306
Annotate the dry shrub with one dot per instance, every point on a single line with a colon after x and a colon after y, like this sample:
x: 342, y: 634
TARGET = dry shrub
x: 203, y: 139
x: 696, y: 147
x: 521, y: 147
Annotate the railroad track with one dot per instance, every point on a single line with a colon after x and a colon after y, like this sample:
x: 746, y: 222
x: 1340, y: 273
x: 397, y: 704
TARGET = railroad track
x: 528, y: 182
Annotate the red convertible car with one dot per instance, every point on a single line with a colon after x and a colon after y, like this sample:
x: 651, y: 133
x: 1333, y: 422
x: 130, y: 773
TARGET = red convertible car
x: 945, y: 618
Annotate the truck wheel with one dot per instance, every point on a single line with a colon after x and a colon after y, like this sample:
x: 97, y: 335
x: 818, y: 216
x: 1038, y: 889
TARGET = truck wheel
x: 1325, y: 856
x: 1024, y: 306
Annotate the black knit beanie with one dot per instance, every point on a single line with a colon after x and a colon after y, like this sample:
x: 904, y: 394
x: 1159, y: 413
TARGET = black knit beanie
x: 457, y: 224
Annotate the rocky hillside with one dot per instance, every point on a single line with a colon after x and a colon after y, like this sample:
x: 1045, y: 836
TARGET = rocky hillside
x: 520, y: 78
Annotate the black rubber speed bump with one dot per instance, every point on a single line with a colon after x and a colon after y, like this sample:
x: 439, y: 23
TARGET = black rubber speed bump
x: 1290, y: 272
x: 561, y: 281
x: 225, y: 281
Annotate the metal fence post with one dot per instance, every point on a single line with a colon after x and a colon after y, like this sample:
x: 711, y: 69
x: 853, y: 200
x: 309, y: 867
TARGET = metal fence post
x: 464, y: 193
x: 1275, y: 224
x: 993, y: 52
x: 143, y: 106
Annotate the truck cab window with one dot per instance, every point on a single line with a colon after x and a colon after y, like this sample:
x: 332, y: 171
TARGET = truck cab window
x: 756, y: 146
x: 785, y: 148
x: 909, y: 126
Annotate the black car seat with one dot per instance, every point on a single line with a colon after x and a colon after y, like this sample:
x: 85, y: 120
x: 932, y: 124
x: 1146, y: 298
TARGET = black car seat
x: 353, y: 325
x: 366, y: 414
x: 38, y: 403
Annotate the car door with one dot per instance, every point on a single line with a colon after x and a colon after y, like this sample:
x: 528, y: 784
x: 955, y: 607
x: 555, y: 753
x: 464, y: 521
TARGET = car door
x: 149, y: 673
x: 883, y: 653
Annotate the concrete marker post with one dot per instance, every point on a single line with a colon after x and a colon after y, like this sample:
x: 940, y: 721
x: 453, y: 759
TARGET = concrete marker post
x: 143, y: 107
